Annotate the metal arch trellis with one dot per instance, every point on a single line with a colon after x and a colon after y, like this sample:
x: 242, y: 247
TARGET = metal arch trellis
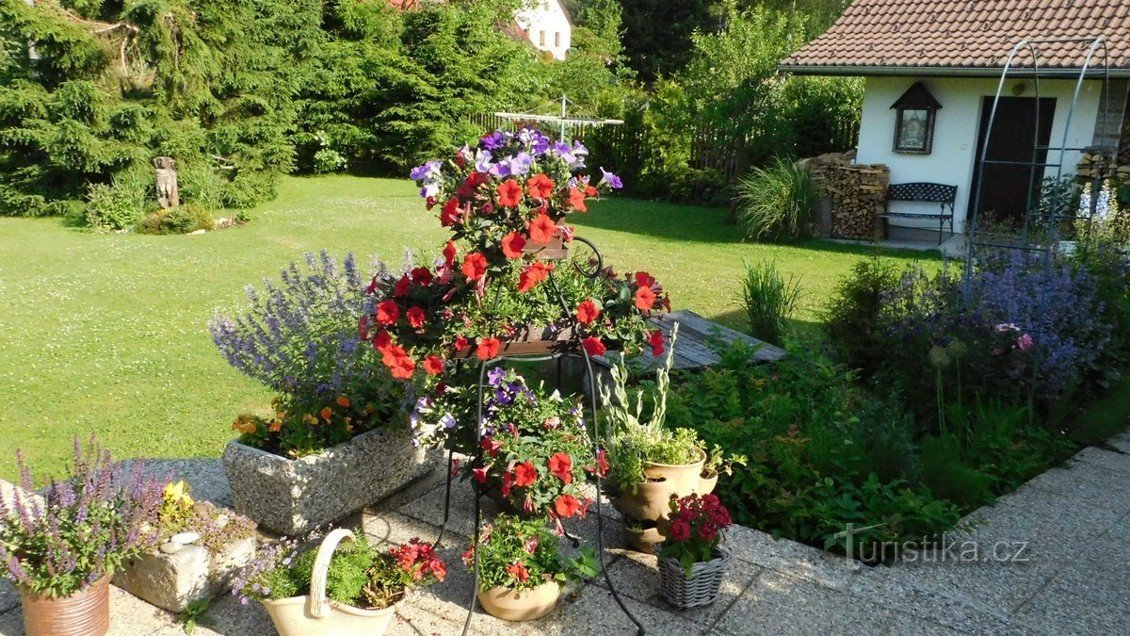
x: 567, y: 347
x: 1050, y: 241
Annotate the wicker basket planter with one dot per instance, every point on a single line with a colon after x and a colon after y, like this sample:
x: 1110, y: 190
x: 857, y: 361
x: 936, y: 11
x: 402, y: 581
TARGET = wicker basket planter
x: 700, y: 587
x: 291, y: 496
x: 316, y: 615
x: 84, y: 613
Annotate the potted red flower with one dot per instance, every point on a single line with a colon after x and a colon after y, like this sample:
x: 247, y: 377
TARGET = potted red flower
x: 692, y: 559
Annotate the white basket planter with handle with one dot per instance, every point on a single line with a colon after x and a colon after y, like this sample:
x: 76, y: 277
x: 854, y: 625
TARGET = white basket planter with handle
x: 316, y: 615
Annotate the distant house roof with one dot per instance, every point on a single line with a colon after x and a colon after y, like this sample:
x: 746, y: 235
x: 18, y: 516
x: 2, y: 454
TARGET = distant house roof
x: 965, y: 37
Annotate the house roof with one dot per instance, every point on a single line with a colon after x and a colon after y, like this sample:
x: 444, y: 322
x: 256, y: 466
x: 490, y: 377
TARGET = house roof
x: 965, y: 37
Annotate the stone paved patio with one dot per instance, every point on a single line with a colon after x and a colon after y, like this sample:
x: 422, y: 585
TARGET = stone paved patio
x: 1074, y: 578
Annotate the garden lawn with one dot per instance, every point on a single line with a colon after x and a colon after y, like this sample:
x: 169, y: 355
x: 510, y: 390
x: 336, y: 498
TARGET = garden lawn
x: 108, y: 334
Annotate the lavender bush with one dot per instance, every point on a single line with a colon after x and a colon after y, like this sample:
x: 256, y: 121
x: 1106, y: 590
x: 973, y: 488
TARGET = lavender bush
x: 84, y: 528
x: 300, y: 338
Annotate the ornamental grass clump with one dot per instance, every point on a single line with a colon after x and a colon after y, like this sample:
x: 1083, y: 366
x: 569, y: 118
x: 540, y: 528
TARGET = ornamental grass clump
x: 83, y: 529
x: 775, y: 203
x: 300, y: 339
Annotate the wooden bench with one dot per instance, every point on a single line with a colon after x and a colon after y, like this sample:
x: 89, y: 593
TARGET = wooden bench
x: 922, y: 192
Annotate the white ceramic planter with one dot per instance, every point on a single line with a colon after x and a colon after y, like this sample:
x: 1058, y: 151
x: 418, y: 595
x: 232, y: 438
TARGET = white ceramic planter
x: 292, y: 496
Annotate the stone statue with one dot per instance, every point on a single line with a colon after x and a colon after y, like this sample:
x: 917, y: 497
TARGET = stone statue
x: 167, y: 193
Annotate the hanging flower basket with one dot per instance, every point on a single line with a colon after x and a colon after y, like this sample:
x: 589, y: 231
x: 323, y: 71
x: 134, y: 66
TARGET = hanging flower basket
x: 697, y: 589
x: 316, y: 615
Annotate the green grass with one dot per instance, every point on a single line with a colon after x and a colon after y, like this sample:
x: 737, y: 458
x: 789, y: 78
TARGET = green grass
x: 108, y: 333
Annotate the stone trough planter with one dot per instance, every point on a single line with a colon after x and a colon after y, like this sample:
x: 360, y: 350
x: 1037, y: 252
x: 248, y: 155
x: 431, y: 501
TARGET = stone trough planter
x: 174, y: 579
x: 292, y: 496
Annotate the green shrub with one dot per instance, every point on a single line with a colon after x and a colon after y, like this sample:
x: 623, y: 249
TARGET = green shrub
x: 768, y: 300
x: 851, y: 319
x: 179, y: 220
x: 775, y: 203
x: 121, y: 205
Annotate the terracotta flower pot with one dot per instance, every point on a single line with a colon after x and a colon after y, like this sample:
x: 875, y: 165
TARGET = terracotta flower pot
x: 520, y: 605
x: 708, y: 481
x: 84, y: 613
x: 644, y: 540
x: 316, y: 615
x: 652, y: 499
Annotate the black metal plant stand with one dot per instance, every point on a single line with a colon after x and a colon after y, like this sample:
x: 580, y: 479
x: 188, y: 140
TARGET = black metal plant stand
x: 564, y: 348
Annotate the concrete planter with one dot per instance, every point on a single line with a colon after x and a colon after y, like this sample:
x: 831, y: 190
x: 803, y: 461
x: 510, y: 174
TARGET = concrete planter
x: 292, y: 496
x: 173, y: 581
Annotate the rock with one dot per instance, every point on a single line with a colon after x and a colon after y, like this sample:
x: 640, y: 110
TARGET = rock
x: 198, y: 232
x: 185, y: 538
x: 290, y: 497
x: 169, y: 581
x: 221, y: 521
x: 170, y: 547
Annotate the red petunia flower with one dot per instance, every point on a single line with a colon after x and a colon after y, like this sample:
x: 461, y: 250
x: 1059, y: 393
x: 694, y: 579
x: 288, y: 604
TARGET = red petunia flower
x: 449, y: 253
x: 462, y: 344
x: 480, y: 475
x: 381, y: 341
x: 542, y: 229
x: 451, y: 213
x: 561, y: 466
x: 533, y: 274
x: 645, y: 298
x: 433, y: 365
x: 416, y: 317
x: 525, y: 474
x: 512, y: 245
x: 388, y: 312
x: 590, y: 191
x: 518, y: 571
x: 643, y: 279
x: 422, y: 276
x: 656, y: 342
x: 587, y: 312
x: 488, y: 348
x: 491, y: 446
x: 540, y: 186
x: 507, y: 484
x: 401, y: 287
x: 509, y: 194
x: 594, y: 346
x: 602, y: 466
x: 399, y: 363
x: 577, y: 200
x: 474, y: 266
x: 471, y: 184
x: 566, y: 506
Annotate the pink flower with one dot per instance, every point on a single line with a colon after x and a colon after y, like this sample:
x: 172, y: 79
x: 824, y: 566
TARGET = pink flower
x: 1024, y: 343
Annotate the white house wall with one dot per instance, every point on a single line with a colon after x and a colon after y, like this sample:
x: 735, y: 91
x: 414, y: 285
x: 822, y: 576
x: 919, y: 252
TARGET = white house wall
x: 954, y: 153
x: 547, y: 25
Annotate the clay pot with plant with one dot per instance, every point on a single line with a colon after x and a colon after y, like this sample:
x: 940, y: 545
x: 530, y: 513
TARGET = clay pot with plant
x: 60, y: 550
x: 348, y: 591
x: 521, y: 570
x: 649, y: 462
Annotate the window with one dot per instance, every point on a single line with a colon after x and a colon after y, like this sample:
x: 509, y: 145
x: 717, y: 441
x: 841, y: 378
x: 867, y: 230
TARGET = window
x: 557, y: 40
x: 541, y: 38
x: 914, y: 120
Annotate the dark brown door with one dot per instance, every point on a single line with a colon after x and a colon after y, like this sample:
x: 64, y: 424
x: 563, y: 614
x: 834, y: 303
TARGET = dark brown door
x: 1009, y: 186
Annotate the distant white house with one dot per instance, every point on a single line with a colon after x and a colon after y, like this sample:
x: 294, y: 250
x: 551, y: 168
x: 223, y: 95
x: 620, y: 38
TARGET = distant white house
x: 932, y: 70
x: 548, y: 26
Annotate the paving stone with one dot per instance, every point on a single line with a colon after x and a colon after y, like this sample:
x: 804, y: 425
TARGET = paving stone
x: 429, y: 508
x: 12, y: 623
x: 1084, y: 484
x: 1117, y: 462
x: 1121, y: 442
x: 1065, y: 612
x: 780, y: 604
x: 910, y: 604
x: 205, y: 477
x: 636, y: 575
x: 790, y: 557
x: 9, y: 597
x: 226, y: 616
x: 395, y: 528
x: 593, y: 612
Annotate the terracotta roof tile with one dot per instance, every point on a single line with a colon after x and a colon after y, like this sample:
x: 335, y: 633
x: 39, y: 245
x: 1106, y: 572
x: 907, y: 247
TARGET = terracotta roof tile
x: 973, y: 34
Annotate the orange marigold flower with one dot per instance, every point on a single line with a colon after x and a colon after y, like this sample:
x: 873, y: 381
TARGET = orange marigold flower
x: 577, y: 200
x: 587, y: 312
x: 275, y: 426
x: 540, y: 186
x: 509, y: 194
x: 326, y: 413
x: 343, y: 401
x: 512, y: 245
x: 542, y: 229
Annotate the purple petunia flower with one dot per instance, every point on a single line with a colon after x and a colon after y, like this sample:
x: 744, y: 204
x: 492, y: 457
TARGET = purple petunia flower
x: 493, y: 141
x: 483, y: 161
x: 611, y: 179
x: 495, y: 376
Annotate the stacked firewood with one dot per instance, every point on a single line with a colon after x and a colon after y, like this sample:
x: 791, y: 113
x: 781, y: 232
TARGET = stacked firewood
x: 857, y: 194
x: 1095, y: 164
